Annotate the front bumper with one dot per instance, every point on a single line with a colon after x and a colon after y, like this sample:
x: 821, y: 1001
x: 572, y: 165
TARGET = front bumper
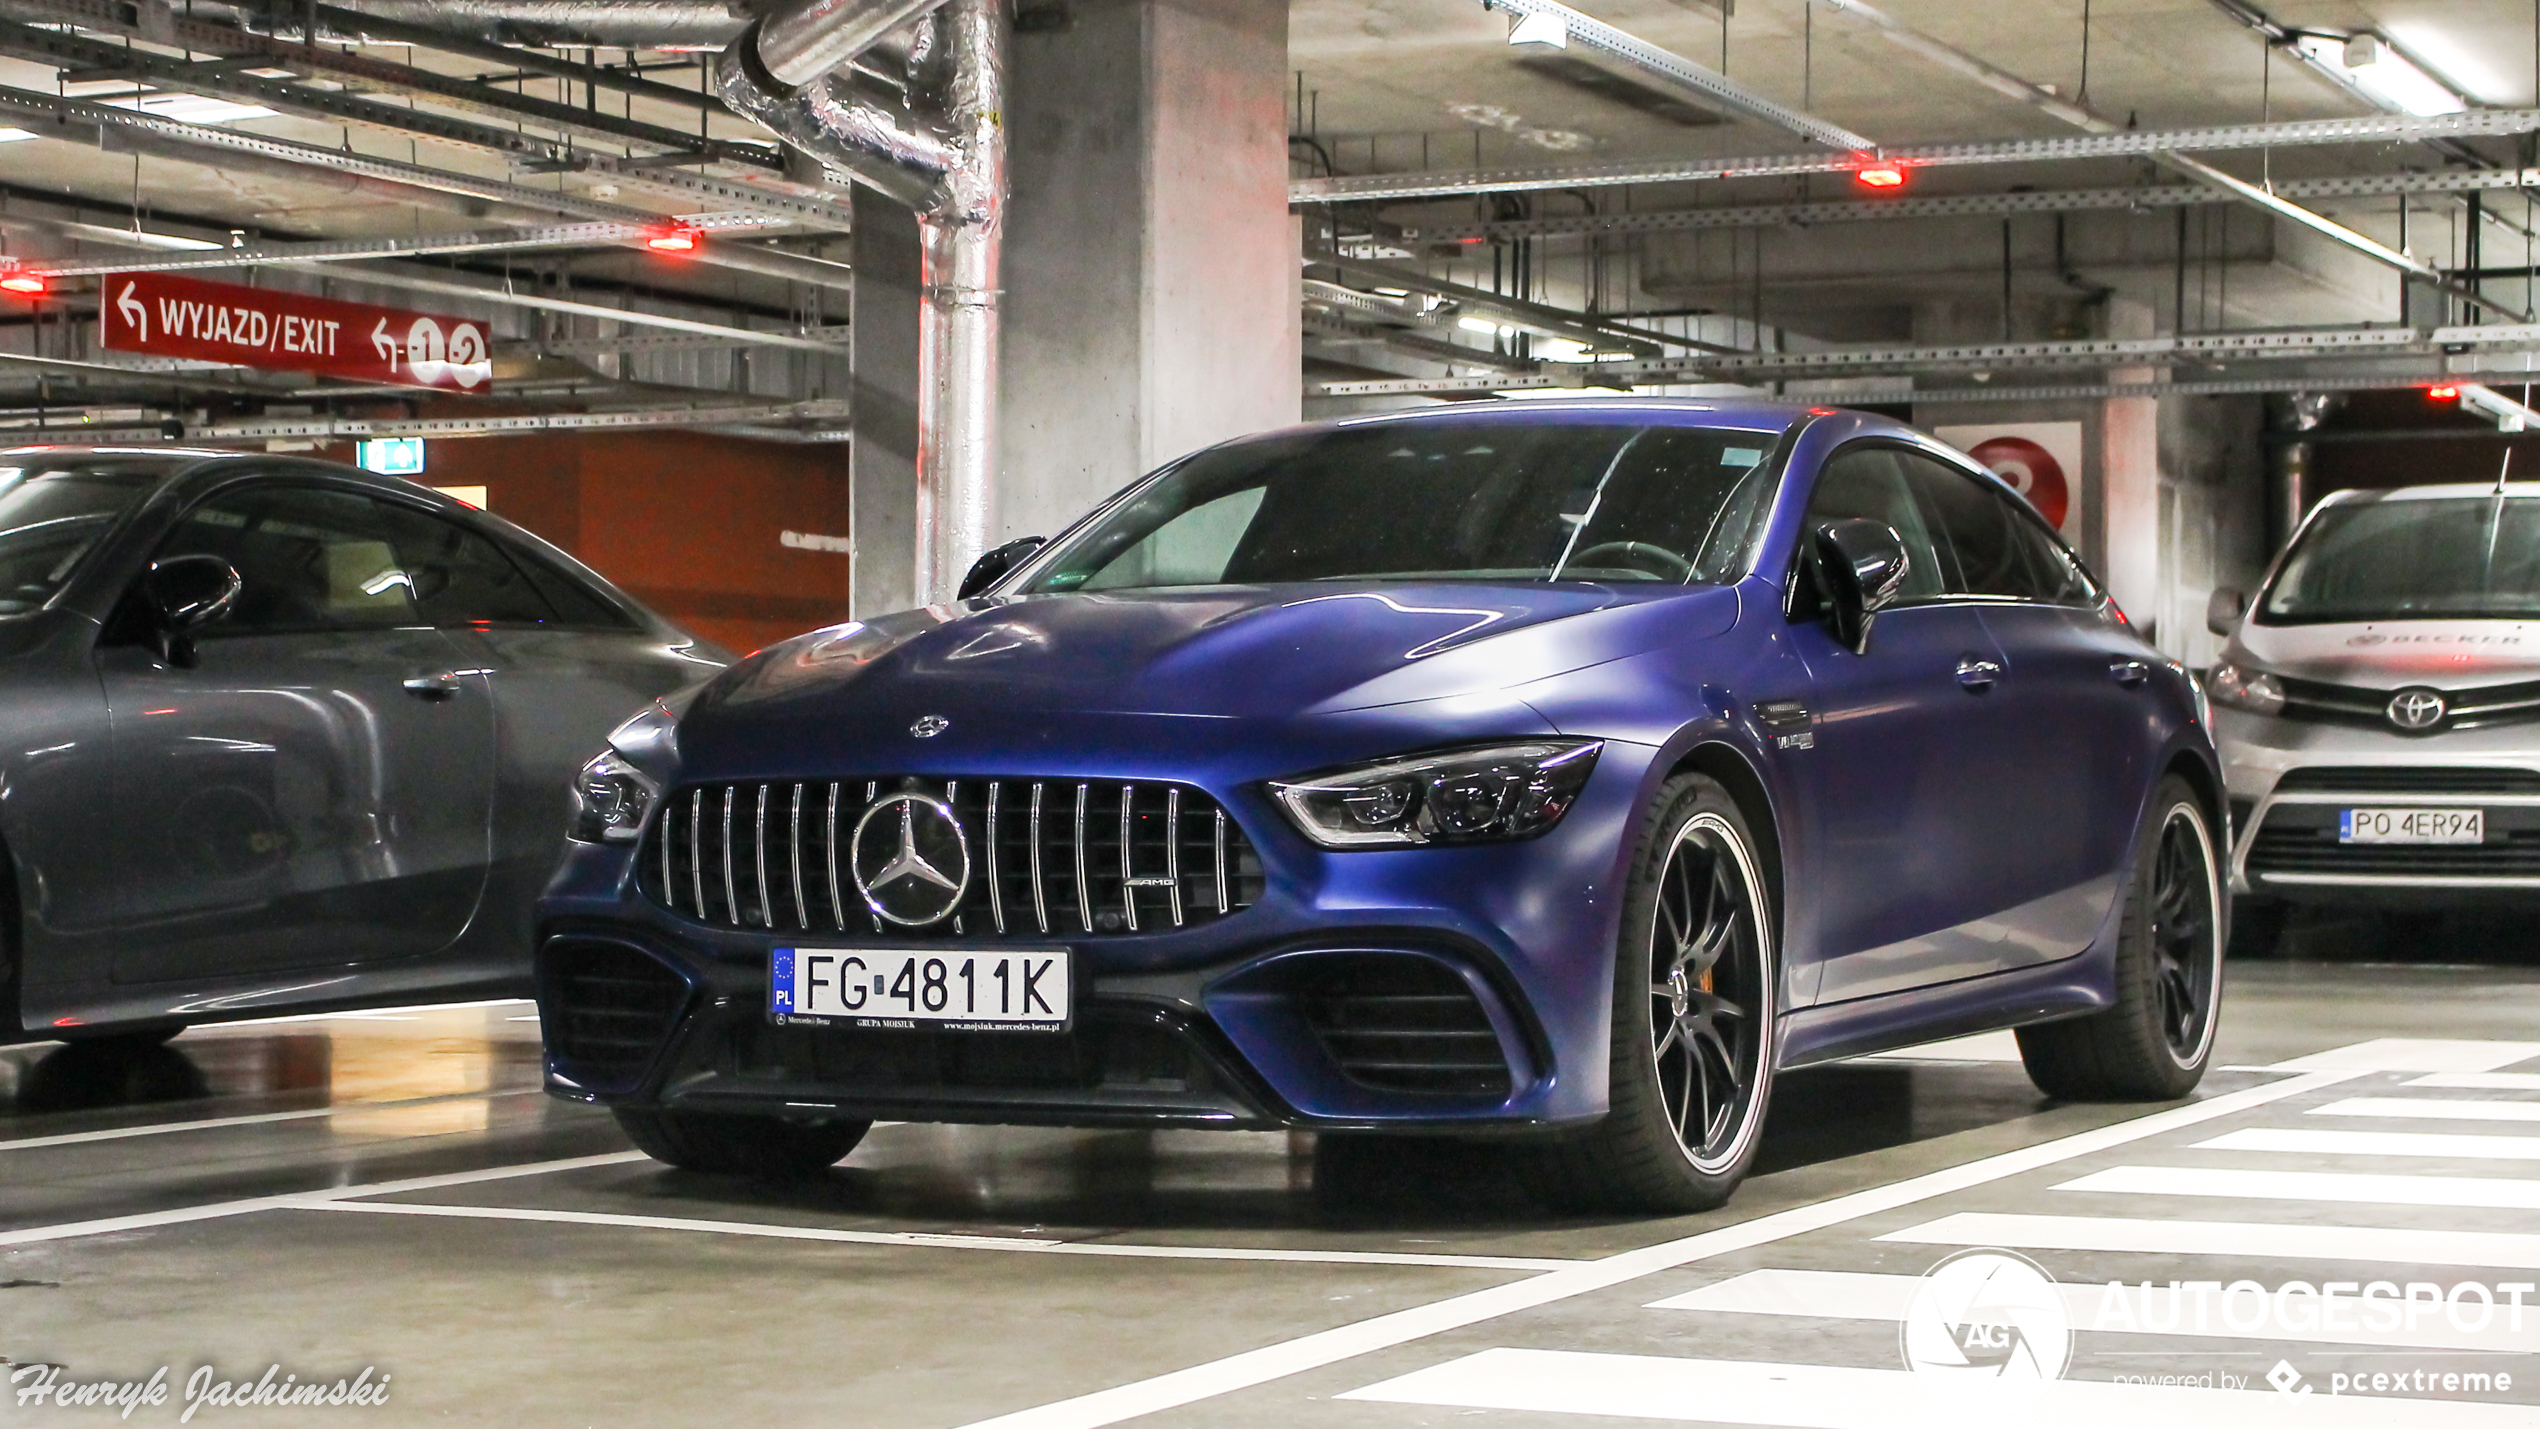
x: 1445, y: 988
x: 2289, y: 780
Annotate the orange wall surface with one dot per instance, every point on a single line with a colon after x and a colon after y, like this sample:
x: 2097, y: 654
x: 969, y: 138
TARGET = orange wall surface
x: 690, y: 523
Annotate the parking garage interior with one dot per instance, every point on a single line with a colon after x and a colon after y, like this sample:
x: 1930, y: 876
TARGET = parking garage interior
x: 790, y: 310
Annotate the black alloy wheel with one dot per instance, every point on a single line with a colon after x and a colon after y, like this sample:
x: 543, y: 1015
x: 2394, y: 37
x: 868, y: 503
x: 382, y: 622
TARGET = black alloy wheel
x: 1696, y: 1019
x: 2153, y: 1043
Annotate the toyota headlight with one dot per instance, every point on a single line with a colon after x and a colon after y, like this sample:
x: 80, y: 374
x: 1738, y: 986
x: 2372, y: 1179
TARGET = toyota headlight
x: 2245, y: 687
x: 1509, y: 791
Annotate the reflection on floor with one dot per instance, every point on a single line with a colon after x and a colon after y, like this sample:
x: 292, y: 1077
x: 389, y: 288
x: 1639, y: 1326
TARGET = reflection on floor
x: 510, y: 1262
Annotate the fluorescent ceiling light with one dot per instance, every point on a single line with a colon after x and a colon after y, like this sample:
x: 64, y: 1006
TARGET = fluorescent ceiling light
x: 2367, y: 64
x: 1543, y: 27
x: 191, y: 108
x: 11, y: 136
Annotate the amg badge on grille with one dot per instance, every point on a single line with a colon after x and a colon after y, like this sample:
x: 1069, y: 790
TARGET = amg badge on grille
x: 910, y: 859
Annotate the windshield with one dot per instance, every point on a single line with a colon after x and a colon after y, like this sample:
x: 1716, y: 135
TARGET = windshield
x: 1429, y: 501
x: 2441, y: 558
x: 51, y: 515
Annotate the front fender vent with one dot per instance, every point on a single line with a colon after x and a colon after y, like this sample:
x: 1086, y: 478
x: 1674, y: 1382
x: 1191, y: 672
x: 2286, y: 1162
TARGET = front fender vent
x: 1049, y: 857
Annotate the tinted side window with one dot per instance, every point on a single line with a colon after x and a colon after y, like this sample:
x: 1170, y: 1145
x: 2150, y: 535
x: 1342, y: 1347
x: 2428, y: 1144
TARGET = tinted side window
x: 461, y: 578
x: 1996, y: 548
x: 575, y: 604
x: 1869, y: 483
x: 310, y: 559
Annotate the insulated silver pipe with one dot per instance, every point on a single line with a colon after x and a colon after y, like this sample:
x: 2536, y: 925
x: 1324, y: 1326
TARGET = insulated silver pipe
x: 803, y: 41
x: 963, y: 239
x: 634, y: 24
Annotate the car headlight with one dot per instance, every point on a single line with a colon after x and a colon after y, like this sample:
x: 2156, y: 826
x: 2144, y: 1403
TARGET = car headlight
x: 610, y: 799
x: 2243, y: 687
x: 1509, y: 791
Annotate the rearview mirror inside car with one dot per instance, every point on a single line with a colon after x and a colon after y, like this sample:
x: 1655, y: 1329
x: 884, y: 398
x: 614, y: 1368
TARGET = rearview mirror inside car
x: 185, y: 594
x: 992, y: 566
x: 2224, y: 608
x: 1863, y: 564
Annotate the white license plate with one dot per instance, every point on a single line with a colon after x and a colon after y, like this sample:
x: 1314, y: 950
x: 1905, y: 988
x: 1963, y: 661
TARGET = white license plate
x: 2411, y: 826
x: 948, y: 990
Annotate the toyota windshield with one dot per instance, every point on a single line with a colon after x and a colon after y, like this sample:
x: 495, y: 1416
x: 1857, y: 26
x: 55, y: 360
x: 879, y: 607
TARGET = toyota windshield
x: 2440, y: 558
x: 1450, y: 500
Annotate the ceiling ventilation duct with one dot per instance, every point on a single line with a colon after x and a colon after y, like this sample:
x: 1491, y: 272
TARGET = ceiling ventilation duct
x: 614, y: 24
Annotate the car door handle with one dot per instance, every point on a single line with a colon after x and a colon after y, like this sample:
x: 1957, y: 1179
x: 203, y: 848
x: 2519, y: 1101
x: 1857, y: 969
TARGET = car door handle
x: 1977, y: 674
x: 433, y: 687
x: 2128, y: 673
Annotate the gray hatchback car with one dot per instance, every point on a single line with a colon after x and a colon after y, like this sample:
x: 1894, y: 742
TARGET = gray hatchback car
x: 279, y: 735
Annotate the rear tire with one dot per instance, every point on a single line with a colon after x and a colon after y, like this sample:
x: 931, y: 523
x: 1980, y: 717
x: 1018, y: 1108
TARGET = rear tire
x: 2154, y: 1043
x: 732, y: 1144
x: 1696, y: 1019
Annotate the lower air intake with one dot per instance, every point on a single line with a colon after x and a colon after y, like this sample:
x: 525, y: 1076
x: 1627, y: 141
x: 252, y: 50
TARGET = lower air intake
x: 607, y: 1008
x: 1399, y: 1022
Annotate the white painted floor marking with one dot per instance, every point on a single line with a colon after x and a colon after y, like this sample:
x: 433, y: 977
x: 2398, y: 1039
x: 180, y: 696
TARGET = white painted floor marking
x: 2415, y: 1054
x: 162, y: 1128
x: 2481, y: 1081
x: 2480, y: 1191
x: 221, y: 1209
x: 1854, y: 1295
x: 1803, y: 1396
x: 2377, y: 1143
x: 2431, y: 1109
x: 949, y: 1242
x: 367, y: 1014
x: 1277, y: 1361
x: 1982, y: 1047
x: 2236, y: 1242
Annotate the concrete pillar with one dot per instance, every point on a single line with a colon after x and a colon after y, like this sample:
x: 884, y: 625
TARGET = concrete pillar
x: 1150, y: 266
x: 882, y: 465
x: 2130, y: 487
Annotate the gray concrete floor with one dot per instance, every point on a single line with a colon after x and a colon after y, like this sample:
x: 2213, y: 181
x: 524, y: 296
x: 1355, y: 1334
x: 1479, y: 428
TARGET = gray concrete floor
x: 390, y: 1192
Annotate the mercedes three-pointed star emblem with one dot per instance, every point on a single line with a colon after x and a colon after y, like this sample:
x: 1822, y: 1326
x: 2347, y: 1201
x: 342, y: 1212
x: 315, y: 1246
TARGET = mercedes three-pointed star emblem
x: 911, y: 860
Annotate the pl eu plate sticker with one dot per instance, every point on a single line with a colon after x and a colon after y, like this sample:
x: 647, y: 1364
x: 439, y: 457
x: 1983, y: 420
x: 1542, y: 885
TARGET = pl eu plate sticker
x: 780, y: 984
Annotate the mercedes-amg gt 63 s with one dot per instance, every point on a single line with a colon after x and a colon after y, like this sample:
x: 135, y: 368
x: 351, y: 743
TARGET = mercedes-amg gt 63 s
x: 1557, y: 772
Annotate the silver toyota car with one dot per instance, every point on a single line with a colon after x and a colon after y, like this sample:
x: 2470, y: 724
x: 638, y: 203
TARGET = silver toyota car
x: 2378, y: 705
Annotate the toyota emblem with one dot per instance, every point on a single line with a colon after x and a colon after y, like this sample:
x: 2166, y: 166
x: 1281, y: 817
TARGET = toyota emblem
x: 910, y: 859
x: 2417, y: 710
x: 928, y: 726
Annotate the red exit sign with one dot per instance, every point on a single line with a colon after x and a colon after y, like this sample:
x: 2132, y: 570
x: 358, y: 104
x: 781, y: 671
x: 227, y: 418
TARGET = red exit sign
x: 166, y: 315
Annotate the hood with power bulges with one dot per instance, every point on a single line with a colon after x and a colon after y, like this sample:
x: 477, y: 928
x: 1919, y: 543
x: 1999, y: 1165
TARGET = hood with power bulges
x: 1239, y: 652
x: 2388, y: 654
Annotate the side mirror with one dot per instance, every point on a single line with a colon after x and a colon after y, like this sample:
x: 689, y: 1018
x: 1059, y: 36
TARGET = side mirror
x: 2223, y: 610
x: 183, y: 595
x: 1863, y: 564
x: 992, y: 566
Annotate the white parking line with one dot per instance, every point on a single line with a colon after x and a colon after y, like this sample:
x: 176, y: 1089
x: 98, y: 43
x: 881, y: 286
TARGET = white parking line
x: 1277, y: 1361
x: 2431, y: 1109
x: 2237, y: 1242
x: 2415, y: 1054
x: 2481, y: 1081
x: 934, y: 1241
x: 2145, y: 1310
x: 2376, y: 1143
x: 218, y: 1210
x: 2487, y: 1192
x: 1804, y: 1396
x: 162, y: 1128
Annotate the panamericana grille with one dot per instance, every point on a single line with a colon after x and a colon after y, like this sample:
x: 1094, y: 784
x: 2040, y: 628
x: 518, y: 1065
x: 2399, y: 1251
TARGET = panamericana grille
x: 1401, y: 1023
x: 2402, y: 779
x: 1049, y: 857
x: 607, y: 1007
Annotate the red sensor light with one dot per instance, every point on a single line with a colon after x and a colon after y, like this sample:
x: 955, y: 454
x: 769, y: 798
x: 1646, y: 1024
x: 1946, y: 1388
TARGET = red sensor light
x: 1880, y: 176
x: 27, y: 283
x: 673, y: 240
x: 2444, y: 392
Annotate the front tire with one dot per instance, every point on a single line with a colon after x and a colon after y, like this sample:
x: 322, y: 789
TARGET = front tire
x: 2154, y: 1043
x: 1696, y: 1018
x: 766, y: 1148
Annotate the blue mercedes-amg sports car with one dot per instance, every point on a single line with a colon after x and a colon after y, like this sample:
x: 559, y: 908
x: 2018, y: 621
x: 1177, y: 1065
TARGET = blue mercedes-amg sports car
x: 1552, y: 770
